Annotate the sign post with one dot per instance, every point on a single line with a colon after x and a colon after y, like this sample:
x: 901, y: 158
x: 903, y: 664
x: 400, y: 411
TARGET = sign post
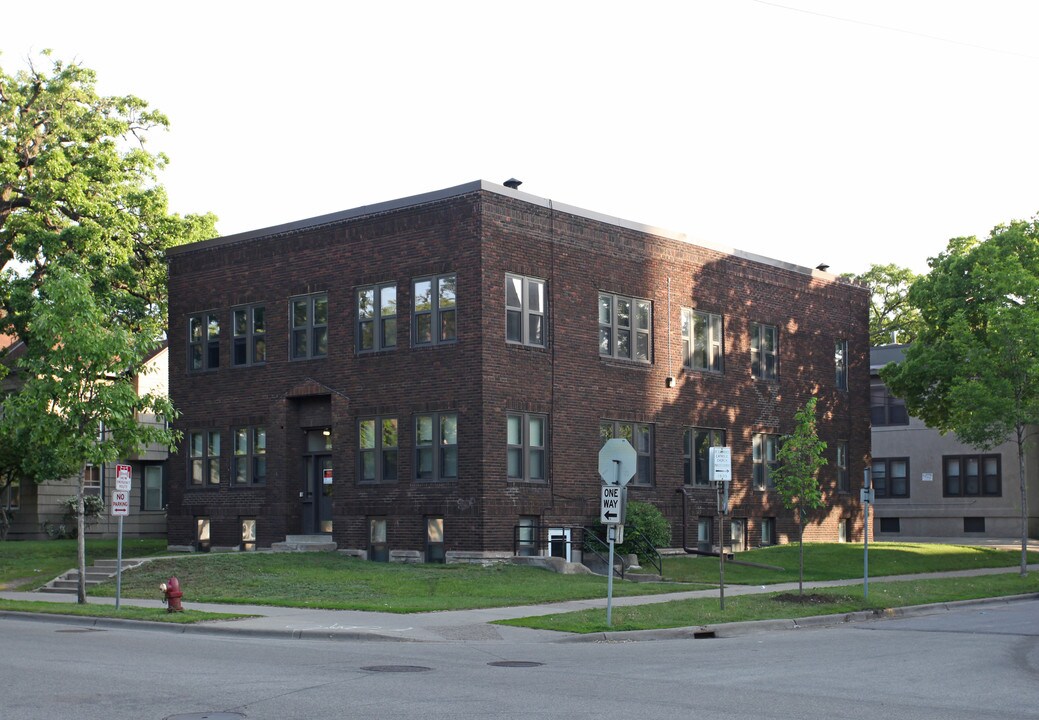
x: 617, y: 464
x: 719, y: 470
x: 866, y: 496
x: 120, y: 508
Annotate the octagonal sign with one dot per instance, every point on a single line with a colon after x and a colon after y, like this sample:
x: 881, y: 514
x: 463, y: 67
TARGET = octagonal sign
x: 617, y: 453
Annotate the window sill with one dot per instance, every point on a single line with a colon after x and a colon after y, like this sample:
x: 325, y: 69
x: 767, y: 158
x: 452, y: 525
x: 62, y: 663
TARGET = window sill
x: 623, y: 363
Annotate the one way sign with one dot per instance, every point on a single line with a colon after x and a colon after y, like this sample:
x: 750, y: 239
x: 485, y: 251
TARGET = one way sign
x: 611, y: 509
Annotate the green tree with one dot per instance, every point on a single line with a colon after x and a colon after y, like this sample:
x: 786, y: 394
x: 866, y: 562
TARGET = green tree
x: 892, y: 319
x: 795, y: 476
x: 78, y: 189
x: 974, y: 368
x: 79, y: 403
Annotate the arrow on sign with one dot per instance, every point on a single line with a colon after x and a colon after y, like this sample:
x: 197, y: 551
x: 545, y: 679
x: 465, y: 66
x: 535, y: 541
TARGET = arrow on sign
x: 610, y: 515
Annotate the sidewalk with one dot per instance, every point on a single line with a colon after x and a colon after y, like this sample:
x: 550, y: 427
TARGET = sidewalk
x: 473, y: 625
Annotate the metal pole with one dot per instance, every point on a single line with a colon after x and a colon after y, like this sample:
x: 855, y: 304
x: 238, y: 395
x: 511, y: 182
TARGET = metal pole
x: 721, y: 549
x: 865, y: 538
x: 119, y: 564
x: 611, y: 534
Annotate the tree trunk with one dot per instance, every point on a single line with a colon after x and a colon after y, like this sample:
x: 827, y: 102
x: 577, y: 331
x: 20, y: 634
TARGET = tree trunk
x: 801, y: 550
x: 81, y: 546
x: 1024, y: 498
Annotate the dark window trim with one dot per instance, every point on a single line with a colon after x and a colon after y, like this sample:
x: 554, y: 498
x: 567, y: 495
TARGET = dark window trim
x: 163, y: 486
x: 525, y: 449
x: 715, y: 350
x: 437, y: 313
x: 384, y: 329
x: 384, y: 457
x: 761, y: 466
x: 252, y: 338
x: 439, y: 451
x: 759, y: 357
x: 610, y: 328
x: 691, y: 455
x: 255, y: 457
x: 644, y: 474
x: 204, y: 351
x: 206, y: 460
x: 890, y: 411
x: 840, y: 361
x: 526, y: 312
x: 981, y: 479
x: 311, y: 328
x: 886, y: 492
x: 843, y: 474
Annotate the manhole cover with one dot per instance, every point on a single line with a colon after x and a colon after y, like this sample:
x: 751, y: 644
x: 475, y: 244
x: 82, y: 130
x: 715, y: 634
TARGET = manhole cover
x: 79, y: 630
x: 397, y: 668
x: 515, y: 663
x: 207, y: 716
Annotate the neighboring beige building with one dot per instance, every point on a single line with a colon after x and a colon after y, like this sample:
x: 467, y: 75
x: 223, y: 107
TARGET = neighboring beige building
x: 37, y: 508
x: 930, y: 486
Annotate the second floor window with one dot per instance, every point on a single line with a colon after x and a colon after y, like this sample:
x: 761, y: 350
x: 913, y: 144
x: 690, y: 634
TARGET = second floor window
x: 840, y: 362
x: 524, y: 310
x: 885, y: 408
x: 204, y: 342
x: 891, y: 477
x: 843, y: 479
x: 377, y: 318
x: 971, y: 475
x: 764, y: 351
x: 702, y: 346
x: 435, y: 315
x: 249, y: 327
x: 309, y: 326
x: 625, y: 327
x: 526, y: 446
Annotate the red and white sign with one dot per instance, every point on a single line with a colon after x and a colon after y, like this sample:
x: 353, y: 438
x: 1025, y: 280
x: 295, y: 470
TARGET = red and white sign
x: 120, y: 503
x: 122, y: 477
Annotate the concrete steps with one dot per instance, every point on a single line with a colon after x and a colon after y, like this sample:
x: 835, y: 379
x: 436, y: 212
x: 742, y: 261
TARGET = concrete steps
x: 97, y: 573
x: 305, y: 543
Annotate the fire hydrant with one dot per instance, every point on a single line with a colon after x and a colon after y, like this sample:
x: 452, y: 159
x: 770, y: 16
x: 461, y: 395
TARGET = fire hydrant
x: 171, y: 595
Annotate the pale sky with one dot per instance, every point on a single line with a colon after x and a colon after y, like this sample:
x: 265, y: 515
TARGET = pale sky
x: 848, y: 132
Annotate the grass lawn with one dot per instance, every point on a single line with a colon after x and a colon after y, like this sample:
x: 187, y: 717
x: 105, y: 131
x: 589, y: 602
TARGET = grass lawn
x: 840, y: 561
x: 28, y: 564
x: 824, y: 601
x: 108, y: 611
x: 333, y: 581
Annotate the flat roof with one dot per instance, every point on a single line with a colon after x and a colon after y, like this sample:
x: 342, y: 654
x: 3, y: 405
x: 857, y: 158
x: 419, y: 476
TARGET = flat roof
x: 471, y: 187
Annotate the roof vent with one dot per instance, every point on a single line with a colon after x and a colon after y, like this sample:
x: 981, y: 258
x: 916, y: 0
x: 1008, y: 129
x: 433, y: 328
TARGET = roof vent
x: 513, y: 183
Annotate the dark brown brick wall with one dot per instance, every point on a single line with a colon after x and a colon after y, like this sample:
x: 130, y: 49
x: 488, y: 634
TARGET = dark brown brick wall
x: 481, y: 236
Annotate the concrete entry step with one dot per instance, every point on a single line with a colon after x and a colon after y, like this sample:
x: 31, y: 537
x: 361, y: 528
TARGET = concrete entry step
x: 305, y: 543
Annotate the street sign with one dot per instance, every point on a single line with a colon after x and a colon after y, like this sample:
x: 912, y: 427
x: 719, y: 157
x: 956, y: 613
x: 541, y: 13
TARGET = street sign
x: 866, y: 495
x: 618, y: 462
x: 122, y: 477
x: 719, y: 464
x: 612, y: 505
x: 120, y: 503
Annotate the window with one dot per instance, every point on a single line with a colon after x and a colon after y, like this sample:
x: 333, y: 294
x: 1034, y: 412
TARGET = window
x: 768, y: 531
x: 885, y: 409
x: 843, y: 479
x: 697, y: 443
x: 526, y: 446
x: 840, y: 362
x: 435, y: 315
x: 204, y: 457
x: 436, y: 446
x: 842, y: 530
x: 891, y: 477
x: 377, y: 449
x: 377, y: 318
x: 204, y: 342
x: 248, y: 534
x: 91, y: 480
x: 702, y: 345
x: 309, y: 326
x: 640, y: 437
x: 738, y: 534
x: 973, y: 524
x: 524, y: 310
x: 764, y: 456
x: 890, y: 525
x: 378, y: 549
x: 434, y: 539
x: 11, y: 497
x: 202, y: 528
x: 527, y: 536
x: 704, y: 534
x: 153, y: 497
x: 972, y: 476
x: 625, y: 327
x: 764, y: 351
x: 250, y: 456
x: 249, y: 329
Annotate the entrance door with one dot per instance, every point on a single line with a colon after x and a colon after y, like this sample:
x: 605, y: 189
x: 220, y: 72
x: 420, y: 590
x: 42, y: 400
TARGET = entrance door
x: 559, y: 543
x: 318, y: 490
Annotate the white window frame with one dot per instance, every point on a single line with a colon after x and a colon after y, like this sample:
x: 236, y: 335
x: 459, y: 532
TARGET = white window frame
x: 703, y: 332
x: 526, y: 310
x: 637, y: 326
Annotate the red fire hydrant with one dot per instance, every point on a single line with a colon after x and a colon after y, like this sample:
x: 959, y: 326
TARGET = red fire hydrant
x: 171, y: 595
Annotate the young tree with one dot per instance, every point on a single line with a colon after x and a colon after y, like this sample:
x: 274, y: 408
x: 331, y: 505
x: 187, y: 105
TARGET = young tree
x: 974, y: 368
x: 892, y: 319
x: 798, y: 461
x: 79, y: 403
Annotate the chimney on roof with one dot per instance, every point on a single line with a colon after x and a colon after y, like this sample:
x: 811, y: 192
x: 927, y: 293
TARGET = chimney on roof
x: 513, y: 183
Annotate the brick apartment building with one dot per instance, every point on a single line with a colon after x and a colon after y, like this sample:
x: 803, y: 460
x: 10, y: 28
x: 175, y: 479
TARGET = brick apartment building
x: 433, y: 377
